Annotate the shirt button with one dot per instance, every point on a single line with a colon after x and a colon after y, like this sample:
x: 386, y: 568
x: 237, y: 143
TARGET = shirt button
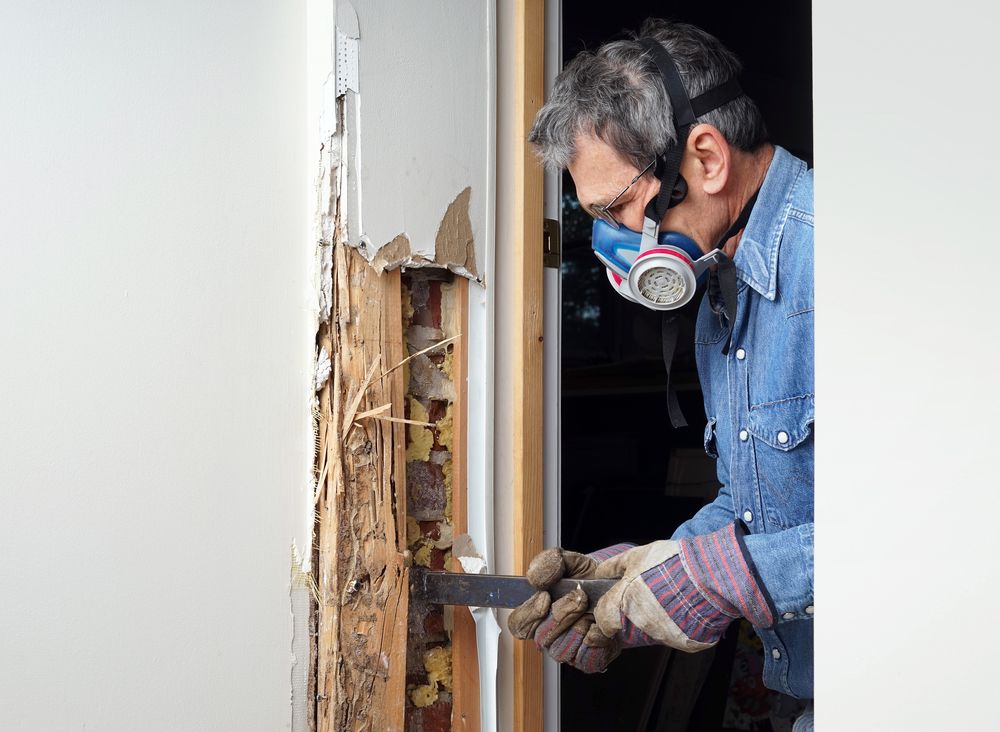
x: 741, y: 354
x: 788, y: 616
x: 744, y: 435
x: 748, y: 516
x: 775, y: 654
x: 810, y: 610
x: 783, y: 437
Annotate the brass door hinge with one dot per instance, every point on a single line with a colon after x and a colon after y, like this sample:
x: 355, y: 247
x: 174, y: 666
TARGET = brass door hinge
x: 551, y: 244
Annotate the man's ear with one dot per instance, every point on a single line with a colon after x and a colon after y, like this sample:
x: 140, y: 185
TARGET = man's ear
x: 708, y: 151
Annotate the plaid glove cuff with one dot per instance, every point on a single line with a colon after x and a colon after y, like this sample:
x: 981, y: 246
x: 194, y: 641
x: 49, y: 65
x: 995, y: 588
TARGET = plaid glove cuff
x: 719, y: 565
x: 695, y: 616
x: 612, y: 551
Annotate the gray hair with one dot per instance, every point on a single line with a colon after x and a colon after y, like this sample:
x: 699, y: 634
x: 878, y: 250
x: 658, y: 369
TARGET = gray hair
x: 618, y: 95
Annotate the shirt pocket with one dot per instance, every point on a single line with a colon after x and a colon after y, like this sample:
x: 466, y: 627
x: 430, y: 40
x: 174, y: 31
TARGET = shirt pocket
x: 785, y: 424
x: 711, y: 445
x: 783, y: 458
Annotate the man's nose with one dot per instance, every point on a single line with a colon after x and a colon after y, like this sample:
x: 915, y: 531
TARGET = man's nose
x: 633, y: 215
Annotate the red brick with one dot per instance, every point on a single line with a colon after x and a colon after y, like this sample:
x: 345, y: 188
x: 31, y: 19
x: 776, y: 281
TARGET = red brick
x: 437, y: 717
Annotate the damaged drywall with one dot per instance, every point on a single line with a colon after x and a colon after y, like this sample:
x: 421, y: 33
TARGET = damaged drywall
x: 454, y: 245
x: 421, y: 136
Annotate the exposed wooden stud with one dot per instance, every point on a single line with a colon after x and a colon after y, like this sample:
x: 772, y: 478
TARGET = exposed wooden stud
x: 465, y: 660
x: 362, y: 579
x: 529, y: 89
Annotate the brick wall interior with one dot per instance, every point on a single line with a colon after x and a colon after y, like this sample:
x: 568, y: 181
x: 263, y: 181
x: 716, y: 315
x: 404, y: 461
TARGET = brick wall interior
x: 430, y: 314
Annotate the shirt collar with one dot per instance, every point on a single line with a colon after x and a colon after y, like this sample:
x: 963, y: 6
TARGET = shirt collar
x: 757, y: 254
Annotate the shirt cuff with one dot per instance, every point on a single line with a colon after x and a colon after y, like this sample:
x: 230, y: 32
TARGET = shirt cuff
x: 784, y: 561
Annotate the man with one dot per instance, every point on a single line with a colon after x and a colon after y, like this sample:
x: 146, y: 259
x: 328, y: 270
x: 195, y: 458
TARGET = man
x: 613, y: 121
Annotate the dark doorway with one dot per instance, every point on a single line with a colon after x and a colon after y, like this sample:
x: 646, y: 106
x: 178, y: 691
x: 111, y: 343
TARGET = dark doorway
x: 626, y: 474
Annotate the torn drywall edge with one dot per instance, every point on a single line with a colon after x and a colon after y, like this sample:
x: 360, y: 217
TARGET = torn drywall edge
x: 454, y: 245
x: 323, y: 368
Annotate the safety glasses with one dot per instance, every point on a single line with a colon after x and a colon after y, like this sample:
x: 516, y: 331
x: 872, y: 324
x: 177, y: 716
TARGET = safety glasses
x: 604, y: 212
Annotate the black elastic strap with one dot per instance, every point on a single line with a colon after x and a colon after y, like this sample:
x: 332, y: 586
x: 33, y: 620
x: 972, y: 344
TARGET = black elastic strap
x: 657, y: 208
x: 716, y: 97
x: 669, y: 329
x: 669, y: 163
x: 683, y: 113
x: 724, y: 276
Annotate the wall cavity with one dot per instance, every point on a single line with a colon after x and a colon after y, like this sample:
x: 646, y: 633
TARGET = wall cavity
x: 430, y: 311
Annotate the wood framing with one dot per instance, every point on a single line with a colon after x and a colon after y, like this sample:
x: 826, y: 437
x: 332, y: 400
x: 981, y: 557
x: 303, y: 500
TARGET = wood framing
x: 529, y: 89
x: 362, y: 576
x: 465, y: 658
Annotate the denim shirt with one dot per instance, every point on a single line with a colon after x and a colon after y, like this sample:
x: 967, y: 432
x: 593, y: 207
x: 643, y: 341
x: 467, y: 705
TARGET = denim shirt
x: 760, y: 403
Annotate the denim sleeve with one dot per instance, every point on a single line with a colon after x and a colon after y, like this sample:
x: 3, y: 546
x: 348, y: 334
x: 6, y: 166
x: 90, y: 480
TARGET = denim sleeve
x: 784, y: 563
x: 709, y: 518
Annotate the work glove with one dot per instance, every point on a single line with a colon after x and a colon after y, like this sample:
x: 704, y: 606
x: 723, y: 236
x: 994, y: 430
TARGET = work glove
x: 682, y: 594
x: 560, y: 628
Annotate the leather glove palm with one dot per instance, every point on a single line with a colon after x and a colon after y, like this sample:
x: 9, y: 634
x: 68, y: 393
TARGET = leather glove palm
x: 562, y: 628
x: 682, y: 594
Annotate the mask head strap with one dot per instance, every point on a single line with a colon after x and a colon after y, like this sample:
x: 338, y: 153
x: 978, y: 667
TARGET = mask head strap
x: 685, y: 112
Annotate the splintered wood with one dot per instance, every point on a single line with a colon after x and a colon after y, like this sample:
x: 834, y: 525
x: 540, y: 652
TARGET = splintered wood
x: 362, y: 575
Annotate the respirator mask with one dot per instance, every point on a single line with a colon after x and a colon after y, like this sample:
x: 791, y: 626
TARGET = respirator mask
x: 662, y: 275
x: 662, y: 270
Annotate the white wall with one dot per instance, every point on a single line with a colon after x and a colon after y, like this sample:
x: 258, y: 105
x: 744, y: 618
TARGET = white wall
x: 156, y: 331
x: 906, y: 279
